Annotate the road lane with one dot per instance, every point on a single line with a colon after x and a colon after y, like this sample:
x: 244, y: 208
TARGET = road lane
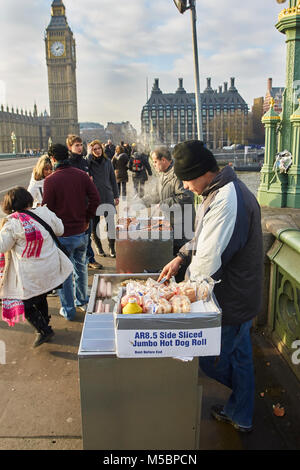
x: 15, y: 173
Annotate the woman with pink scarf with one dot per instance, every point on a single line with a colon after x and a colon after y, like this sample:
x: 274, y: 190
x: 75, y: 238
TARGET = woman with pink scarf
x: 31, y: 265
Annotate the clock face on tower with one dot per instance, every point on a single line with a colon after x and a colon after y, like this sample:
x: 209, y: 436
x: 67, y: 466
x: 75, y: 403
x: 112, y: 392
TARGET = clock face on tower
x: 57, y: 48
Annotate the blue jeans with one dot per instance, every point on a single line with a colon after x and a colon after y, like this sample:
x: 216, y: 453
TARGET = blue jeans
x: 90, y: 252
x: 75, y: 293
x: 234, y: 368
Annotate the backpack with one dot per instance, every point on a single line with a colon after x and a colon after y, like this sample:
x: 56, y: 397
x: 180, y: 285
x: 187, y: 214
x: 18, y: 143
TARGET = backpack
x: 137, y: 164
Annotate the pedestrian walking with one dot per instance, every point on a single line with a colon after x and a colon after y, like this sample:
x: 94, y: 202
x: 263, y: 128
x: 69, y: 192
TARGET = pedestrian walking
x: 42, y: 169
x: 70, y: 193
x: 31, y: 265
x: 109, y: 149
x: 228, y: 247
x: 75, y: 147
x: 120, y: 163
x: 77, y: 160
x: 140, y: 168
x: 102, y: 173
x: 127, y: 149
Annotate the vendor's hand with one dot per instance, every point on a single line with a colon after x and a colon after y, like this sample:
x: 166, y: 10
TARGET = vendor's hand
x: 117, y: 200
x: 171, y: 269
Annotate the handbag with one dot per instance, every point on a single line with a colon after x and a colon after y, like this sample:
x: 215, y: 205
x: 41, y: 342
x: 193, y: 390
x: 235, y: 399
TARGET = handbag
x: 50, y: 230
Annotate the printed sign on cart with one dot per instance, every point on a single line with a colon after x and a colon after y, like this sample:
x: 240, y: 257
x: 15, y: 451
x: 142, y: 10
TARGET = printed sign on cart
x: 168, y: 343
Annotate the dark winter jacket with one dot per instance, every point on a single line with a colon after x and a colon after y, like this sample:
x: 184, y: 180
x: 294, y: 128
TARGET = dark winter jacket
x: 109, y: 150
x: 78, y: 161
x: 120, y: 163
x: 133, y: 167
x: 103, y: 175
x: 228, y: 246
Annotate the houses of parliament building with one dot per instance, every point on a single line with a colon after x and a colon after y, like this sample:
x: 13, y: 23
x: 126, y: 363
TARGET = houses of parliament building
x: 34, y: 130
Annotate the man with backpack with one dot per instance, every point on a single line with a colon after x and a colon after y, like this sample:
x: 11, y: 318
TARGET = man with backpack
x: 140, y: 168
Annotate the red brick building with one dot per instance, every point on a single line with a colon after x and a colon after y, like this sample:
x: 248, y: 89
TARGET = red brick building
x: 273, y: 92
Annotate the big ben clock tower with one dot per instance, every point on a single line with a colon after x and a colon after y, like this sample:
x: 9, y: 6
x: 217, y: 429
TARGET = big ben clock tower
x: 61, y: 63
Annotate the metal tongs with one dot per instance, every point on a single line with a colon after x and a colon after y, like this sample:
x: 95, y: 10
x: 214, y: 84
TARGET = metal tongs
x: 163, y: 280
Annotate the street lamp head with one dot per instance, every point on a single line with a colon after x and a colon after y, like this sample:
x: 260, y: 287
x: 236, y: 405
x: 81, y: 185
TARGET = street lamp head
x: 281, y: 1
x: 181, y: 5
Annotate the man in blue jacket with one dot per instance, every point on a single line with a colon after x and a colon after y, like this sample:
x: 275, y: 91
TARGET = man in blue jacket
x: 228, y: 247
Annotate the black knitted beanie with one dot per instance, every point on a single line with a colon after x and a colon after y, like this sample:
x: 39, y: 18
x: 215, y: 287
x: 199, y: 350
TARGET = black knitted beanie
x: 192, y: 160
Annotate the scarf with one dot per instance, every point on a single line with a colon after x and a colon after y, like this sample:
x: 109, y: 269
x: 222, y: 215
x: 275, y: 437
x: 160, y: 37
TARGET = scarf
x: 62, y: 164
x: 98, y: 160
x: 13, y: 309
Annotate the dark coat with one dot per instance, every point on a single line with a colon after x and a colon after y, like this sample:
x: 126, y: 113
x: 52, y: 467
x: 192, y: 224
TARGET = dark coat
x: 78, y: 161
x: 120, y: 163
x: 103, y: 175
x: 142, y: 175
x: 110, y: 150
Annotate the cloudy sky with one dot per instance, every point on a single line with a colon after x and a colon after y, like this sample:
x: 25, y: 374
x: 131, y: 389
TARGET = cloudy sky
x: 124, y: 44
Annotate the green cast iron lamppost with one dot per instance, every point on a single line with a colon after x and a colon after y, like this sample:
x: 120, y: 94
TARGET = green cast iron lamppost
x: 282, y: 131
x: 13, y: 140
x: 49, y: 142
x: 182, y: 6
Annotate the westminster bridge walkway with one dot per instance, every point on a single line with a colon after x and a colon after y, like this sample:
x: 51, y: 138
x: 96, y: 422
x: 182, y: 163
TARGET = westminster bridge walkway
x: 40, y: 405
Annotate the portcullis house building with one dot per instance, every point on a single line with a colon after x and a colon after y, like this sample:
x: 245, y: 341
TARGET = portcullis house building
x: 169, y: 118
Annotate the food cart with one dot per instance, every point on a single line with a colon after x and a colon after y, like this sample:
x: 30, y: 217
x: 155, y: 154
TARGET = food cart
x: 147, y: 402
x: 143, y: 244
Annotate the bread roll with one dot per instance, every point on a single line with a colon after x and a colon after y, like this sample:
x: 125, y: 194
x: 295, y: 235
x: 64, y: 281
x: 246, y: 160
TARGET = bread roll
x: 180, y: 304
x: 163, y: 306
